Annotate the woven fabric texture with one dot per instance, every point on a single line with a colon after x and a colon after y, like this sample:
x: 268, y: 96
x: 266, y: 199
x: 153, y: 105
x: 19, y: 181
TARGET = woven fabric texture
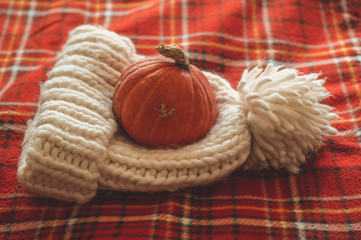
x: 222, y: 37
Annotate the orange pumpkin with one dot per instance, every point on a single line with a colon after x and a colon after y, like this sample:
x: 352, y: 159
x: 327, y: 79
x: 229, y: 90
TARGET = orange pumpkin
x: 164, y: 101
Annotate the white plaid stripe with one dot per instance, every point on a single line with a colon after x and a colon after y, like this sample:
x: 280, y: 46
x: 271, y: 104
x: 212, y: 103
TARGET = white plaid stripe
x: 25, y: 51
x: 268, y: 29
x: 108, y: 13
x: 246, y: 40
x: 31, y: 104
x: 356, y: 47
x: 8, y: 13
x: 186, y: 214
x: 337, y: 62
x: 267, y: 217
x: 301, y: 227
x: 15, y: 127
x: 185, y: 23
x: 350, y: 30
x: 15, y: 68
x: 87, y: 11
x: 72, y: 220
x: 161, y: 23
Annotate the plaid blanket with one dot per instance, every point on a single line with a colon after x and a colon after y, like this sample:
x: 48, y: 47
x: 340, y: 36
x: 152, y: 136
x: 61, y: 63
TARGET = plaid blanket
x: 224, y: 37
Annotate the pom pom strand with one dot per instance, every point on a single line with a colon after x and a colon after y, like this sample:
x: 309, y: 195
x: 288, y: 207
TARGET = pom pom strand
x: 286, y: 119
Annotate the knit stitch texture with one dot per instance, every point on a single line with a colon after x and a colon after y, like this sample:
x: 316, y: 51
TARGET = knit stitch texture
x: 73, y: 146
x: 73, y: 143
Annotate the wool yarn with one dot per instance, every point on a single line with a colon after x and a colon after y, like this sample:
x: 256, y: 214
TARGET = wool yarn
x: 66, y: 143
x: 73, y: 145
x: 287, y: 120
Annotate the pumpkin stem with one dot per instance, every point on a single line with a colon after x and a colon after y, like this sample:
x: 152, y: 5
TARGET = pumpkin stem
x: 176, y: 53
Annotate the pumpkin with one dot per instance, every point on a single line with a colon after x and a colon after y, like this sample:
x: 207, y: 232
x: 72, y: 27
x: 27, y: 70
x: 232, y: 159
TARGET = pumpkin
x: 164, y: 101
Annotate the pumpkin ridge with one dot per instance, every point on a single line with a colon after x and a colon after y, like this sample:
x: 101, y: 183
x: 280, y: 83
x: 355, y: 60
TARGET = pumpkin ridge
x: 151, y: 132
x: 202, y: 98
x: 150, y: 136
x: 192, y: 113
x: 141, y: 107
x: 125, y: 101
x: 209, y: 92
x: 210, y: 99
x: 170, y: 133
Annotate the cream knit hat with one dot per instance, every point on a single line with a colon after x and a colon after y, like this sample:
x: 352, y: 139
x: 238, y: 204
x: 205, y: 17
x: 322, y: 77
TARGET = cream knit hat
x: 73, y: 145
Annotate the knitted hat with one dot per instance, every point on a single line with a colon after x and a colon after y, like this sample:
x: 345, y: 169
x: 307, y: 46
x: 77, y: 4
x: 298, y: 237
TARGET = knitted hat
x: 73, y: 145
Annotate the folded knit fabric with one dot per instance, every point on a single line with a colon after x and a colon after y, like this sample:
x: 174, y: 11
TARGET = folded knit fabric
x: 66, y: 143
x: 73, y: 145
x: 69, y: 146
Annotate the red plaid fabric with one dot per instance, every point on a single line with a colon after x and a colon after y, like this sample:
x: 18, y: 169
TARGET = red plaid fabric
x: 225, y: 37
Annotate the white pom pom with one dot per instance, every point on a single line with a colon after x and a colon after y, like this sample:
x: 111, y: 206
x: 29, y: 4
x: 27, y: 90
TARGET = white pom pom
x: 284, y: 115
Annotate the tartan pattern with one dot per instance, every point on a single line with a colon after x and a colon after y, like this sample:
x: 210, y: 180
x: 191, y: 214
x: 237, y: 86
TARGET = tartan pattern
x: 225, y: 37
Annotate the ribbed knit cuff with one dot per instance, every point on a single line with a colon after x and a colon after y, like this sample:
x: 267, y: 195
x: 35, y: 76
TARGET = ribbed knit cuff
x: 66, y: 143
